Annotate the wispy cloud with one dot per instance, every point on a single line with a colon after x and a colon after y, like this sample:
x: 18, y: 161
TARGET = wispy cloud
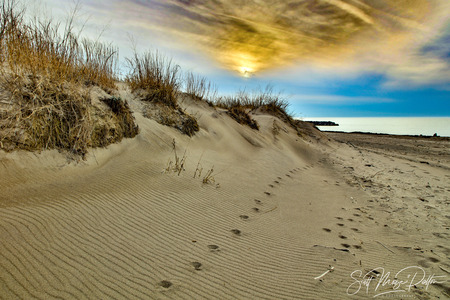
x: 254, y: 36
x: 338, y: 100
x: 258, y: 36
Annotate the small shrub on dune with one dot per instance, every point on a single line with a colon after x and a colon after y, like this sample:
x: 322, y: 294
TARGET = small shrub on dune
x: 45, y: 80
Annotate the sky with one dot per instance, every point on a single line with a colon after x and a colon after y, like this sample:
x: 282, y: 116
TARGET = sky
x: 329, y: 58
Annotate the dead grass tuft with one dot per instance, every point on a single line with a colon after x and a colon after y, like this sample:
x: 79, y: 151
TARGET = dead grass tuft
x: 267, y: 98
x: 176, y: 118
x: 176, y: 165
x: 200, y: 89
x: 240, y: 114
x: 264, y: 101
x: 122, y: 120
x: 209, y: 178
x: 155, y: 77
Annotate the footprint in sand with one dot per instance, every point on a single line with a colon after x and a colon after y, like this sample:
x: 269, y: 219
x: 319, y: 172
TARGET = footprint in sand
x: 255, y: 209
x: 243, y: 217
x: 351, y: 220
x: 327, y: 229
x: 271, y: 185
x: 339, y: 218
x: 279, y: 178
x: 343, y: 237
x: 423, y: 263
x: 277, y: 182
x: 355, y: 230
x: 346, y: 245
x: 236, y: 231
x: 197, y: 266
x: 267, y: 193
x: 213, y: 247
x: 357, y: 246
x: 257, y: 201
x: 165, y: 284
x: 434, y: 260
x: 339, y: 224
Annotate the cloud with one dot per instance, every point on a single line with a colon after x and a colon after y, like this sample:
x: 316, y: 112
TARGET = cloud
x: 265, y: 36
x: 254, y: 36
x: 338, y: 100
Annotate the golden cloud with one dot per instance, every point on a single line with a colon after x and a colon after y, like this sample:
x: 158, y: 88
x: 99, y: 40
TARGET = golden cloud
x: 259, y: 35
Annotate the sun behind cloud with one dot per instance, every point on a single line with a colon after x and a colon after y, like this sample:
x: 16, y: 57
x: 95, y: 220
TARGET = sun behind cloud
x: 253, y: 36
x: 263, y: 35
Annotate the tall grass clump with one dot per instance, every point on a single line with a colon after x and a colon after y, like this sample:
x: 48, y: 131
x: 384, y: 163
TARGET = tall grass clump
x: 266, y: 100
x: 259, y: 98
x: 199, y: 88
x: 46, y: 72
x: 156, y: 79
x: 156, y: 76
x: 42, y: 48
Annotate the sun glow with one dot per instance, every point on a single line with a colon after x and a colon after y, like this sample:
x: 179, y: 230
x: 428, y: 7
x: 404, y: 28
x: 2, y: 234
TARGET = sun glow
x: 244, y: 63
x: 246, y: 71
x: 255, y: 36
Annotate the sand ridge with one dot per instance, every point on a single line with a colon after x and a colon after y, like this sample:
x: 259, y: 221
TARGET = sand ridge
x: 281, y: 211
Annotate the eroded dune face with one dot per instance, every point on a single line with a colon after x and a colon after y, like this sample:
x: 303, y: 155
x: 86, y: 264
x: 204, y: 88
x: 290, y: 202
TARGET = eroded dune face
x: 248, y: 36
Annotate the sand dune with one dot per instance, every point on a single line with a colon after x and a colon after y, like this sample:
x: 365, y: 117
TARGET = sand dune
x: 281, y: 211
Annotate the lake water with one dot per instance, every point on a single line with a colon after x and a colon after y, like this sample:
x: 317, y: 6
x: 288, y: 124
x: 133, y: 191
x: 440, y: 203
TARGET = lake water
x: 406, y: 126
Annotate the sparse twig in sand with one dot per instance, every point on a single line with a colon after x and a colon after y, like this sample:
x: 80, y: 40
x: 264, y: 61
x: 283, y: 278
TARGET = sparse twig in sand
x: 385, y: 247
x: 271, y: 210
x: 372, y: 176
x: 330, y: 269
x: 209, y: 178
x: 199, y: 169
x: 178, y: 165
x: 443, y: 269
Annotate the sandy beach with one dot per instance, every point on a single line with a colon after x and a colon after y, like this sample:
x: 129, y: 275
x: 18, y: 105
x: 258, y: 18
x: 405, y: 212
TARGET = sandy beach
x: 278, y: 211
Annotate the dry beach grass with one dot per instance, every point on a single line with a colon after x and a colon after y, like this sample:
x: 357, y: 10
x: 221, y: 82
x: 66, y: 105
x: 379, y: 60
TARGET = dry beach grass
x: 45, y: 87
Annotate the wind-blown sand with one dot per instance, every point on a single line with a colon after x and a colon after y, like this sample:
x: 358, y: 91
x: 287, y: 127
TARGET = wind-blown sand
x: 282, y: 210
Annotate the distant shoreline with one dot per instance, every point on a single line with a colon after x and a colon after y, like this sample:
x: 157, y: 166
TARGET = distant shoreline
x: 323, y: 123
x: 392, y: 135
x: 407, y: 126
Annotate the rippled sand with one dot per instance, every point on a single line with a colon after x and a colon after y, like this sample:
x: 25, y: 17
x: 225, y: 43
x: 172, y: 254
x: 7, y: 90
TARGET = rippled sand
x: 280, y: 211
